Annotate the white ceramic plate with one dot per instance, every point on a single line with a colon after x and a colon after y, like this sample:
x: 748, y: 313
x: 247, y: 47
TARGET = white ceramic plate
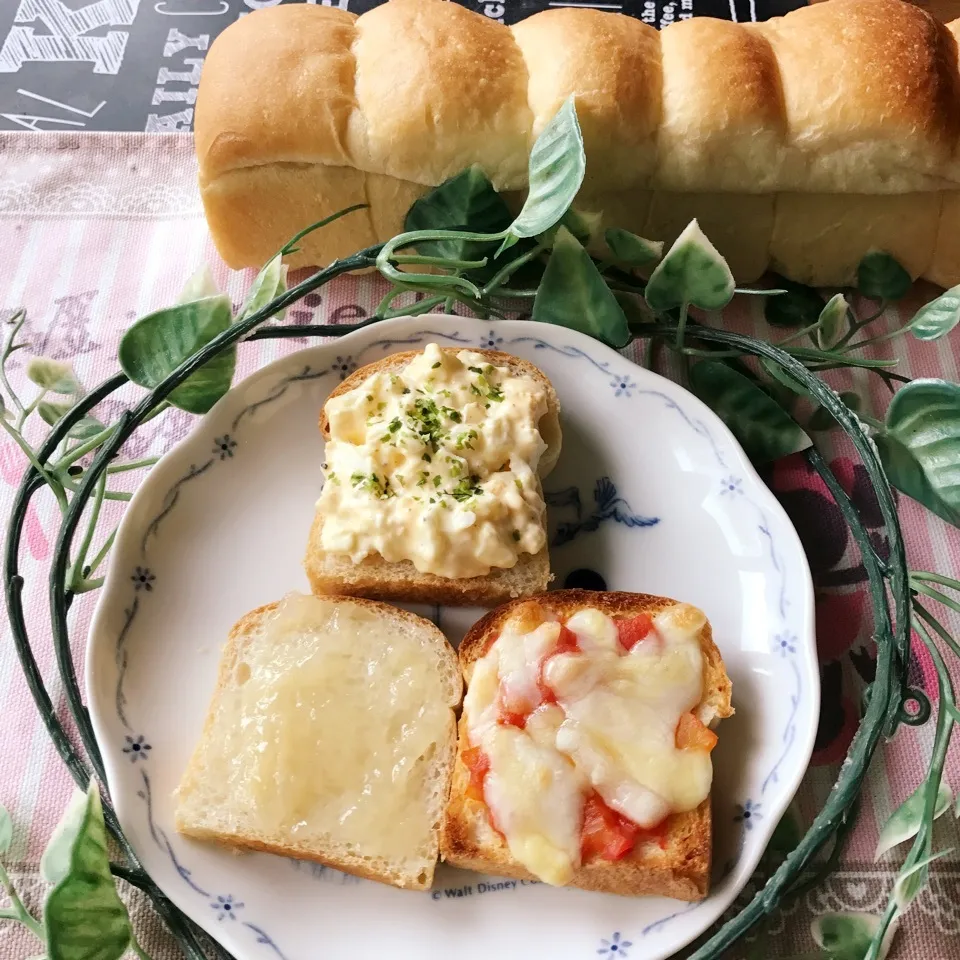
x: 651, y: 494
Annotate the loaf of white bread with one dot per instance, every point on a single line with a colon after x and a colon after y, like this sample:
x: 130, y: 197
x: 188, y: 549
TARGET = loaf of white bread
x: 799, y: 143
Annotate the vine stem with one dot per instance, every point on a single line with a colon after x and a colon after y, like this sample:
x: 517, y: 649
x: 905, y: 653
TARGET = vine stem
x: 133, y: 465
x: 920, y: 849
x: 29, y: 408
x: 17, y: 911
x: 682, y: 324
x: 83, y: 449
x: 509, y: 269
x: 76, y: 574
x: 935, y: 578
x: 19, y: 319
x: 50, y: 480
x: 933, y: 594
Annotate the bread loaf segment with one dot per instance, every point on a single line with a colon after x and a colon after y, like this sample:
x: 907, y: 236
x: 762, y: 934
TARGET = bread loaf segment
x: 305, y: 109
x: 438, y: 88
x: 277, y: 87
x: 724, y: 126
x: 871, y: 95
x: 612, y: 65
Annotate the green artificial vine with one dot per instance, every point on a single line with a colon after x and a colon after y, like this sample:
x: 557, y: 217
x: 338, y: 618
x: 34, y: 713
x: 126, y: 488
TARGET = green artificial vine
x: 554, y: 263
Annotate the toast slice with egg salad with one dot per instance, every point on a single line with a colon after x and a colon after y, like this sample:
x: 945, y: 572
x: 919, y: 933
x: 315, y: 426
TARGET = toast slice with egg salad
x: 584, y: 745
x: 432, y: 481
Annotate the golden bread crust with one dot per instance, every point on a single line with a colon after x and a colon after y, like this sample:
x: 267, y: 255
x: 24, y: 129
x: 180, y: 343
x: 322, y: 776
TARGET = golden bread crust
x: 193, y: 776
x: 378, y: 579
x: 677, y: 866
x: 305, y: 109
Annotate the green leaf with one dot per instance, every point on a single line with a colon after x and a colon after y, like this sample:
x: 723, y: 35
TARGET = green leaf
x: 800, y: 306
x: 634, y: 308
x: 628, y: 248
x: 466, y: 202
x: 6, y: 830
x: 159, y: 342
x: 920, y: 449
x: 583, y: 225
x: 938, y: 317
x: 782, y: 377
x: 557, y: 165
x: 692, y: 271
x: 199, y: 286
x: 269, y: 283
x: 880, y: 277
x: 52, y: 412
x: 847, y: 936
x: 905, y: 821
x: 84, y: 917
x: 823, y: 419
x: 763, y: 428
x: 85, y: 428
x: 52, y: 375
x: 912, y: 880
x: 832, y: 322
x: 573, y: 294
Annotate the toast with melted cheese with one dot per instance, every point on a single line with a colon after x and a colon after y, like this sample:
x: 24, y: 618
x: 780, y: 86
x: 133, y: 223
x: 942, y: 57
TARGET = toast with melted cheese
x: 672, y: 860
x: 312, y: 749
x: 334, y: 572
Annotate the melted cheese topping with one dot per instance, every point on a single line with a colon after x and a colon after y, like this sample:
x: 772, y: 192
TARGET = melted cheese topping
x: 436, y: 463
x: 612, y: 729
x: 328, y: 729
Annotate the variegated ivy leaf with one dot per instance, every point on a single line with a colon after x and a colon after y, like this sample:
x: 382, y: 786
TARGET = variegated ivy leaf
x: 583, y: 225
x: 52, y: 375
x: 938, y: 317
x: 692, y: 271
x: 904, y: 822
x: 84, y: 917
x: 832, y: 323
x: 270, y: 282
x: 85, y: 428
x: 847, y: 936
x: 911, y: 881
x: 628, y: 248
x: 6, y: 830
x: 881, y: 277
x: 200, y: 285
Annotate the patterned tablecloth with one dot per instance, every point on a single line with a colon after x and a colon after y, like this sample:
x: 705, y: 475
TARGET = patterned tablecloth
x: 98, y: 229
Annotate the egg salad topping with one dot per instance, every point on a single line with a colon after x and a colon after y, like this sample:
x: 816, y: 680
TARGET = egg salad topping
x: 582, y: 736
x: 436, y: 463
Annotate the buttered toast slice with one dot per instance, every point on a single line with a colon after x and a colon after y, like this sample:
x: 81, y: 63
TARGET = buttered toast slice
x: 432, y: 482
x: 330, y: 737
x: 583, y: 753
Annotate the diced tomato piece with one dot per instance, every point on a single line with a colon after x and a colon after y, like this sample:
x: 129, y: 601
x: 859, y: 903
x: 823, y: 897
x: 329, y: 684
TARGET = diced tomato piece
x: 692, y: 734
x: 605, y: 834
x: 478, y: 763
x: 508, y: 718
x: 567, y: 641
x: 634, y: 629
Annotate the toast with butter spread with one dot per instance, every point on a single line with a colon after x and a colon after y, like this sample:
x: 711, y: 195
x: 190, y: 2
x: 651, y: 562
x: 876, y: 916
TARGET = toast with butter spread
x: 432, y: 481
x: 313, y: 750
x: 583, y: 754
